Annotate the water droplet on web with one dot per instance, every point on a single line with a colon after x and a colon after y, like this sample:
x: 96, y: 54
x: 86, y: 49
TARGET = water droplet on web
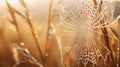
x: 12, y: 28
x: 36, y: 34
x: 117, y: 48
x: 30, y: 17
x: 22, y: 43
x: 46, y: 54
x: 118, y: 17
x: 117, y: 65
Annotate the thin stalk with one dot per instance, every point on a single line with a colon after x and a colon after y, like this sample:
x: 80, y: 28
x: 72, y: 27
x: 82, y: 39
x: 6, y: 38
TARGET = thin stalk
x: 49, y: 20
x: 104, y: 29
x: 95, y: 3
x: 12, y: 12
x: 13, y: 21
x: 28, y: 19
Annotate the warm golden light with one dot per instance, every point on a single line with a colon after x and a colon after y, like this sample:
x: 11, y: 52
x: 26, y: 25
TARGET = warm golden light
x: 28, y: 0
x: 59, y: 33
x: 2, y: 2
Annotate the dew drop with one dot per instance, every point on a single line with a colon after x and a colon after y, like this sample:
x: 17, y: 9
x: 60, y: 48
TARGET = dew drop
x: 22, y: 43
x: 46, y: 54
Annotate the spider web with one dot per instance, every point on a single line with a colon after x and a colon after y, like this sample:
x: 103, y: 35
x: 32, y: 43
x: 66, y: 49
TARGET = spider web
x: 78, y: 20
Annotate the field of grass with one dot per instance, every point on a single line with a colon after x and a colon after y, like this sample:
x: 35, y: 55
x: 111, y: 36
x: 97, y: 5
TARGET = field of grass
x: 59, y: 33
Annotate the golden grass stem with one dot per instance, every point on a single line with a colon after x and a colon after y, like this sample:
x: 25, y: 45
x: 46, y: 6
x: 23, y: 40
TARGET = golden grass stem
x: 28, y: 19
x: 13, y: 21
x: 104, y: 30
x: 49, y: 20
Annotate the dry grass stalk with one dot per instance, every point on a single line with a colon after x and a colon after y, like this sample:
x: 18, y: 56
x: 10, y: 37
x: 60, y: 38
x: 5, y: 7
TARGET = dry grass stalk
x: 48, y: 24
x: 28, y: 19
x: 103, y: 26
x: 12, y: 12
x: 105, y: 32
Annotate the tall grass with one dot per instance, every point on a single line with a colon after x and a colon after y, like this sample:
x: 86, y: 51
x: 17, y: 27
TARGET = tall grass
x: 94, y: 43
x: 12, y: 12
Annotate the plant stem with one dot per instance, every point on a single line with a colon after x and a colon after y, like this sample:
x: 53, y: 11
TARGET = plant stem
x: 28, y: 19
x: 13, y: 21
x: 47, y: 36
x: 104, y: 31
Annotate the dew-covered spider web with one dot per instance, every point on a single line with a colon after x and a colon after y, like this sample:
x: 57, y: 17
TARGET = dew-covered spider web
x: 78, y: 29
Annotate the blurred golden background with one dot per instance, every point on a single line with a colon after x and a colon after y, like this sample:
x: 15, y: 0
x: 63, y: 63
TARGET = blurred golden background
x: 24, y: 35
